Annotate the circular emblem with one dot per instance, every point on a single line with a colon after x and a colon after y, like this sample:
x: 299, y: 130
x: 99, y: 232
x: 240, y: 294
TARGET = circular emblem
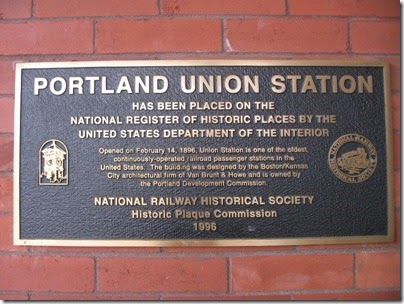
x: 352, y: 158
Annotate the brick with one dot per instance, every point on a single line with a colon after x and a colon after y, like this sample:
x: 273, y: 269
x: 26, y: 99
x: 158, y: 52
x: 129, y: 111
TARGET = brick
x: 353, y: 296
x: 6, y: 115
x: 224, y: 7
x: 143, y: 36
x: 294, y: 272
x: 91, y: 297
x: 6, y: 153
x: 378, y: 270
x: 375, y: 37
x: 396, y: 151
x: 287, y: 35
x: 6, y: 235
x: 12, y: 9
x: 52, y: 274
x: 396, y: 111
x: 94, y: 8
x: 6, y: 77
x: 6, y: 193
x: 162, y: 275
x: 57, y: 37
x: 370, y: 8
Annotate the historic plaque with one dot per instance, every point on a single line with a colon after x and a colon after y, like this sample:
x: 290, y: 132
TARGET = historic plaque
x: 202, y: 153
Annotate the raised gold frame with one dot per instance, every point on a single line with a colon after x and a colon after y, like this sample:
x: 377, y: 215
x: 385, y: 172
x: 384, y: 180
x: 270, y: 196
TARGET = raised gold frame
x: 195, y: 243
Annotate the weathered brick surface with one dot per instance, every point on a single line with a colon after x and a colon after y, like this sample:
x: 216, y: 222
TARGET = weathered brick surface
x: 38, y: 273
x: 6, y: 115
x: 224, y: 7
x: 58, y: 37
x: 11, y: 9
x: 142, y: 36
x: 375, y: 37
x: 294, y: 272
x: 6, y: 77
x: 6, y: 153
x: 89, y: 8
x: 163, y: 275
x: 6, y: 193
x: 287, y: 35
x: 370, y: 8
x: 378, y: 270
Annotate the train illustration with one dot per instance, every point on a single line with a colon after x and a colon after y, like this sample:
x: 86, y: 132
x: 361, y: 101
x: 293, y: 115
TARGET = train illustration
x: 354, y: 162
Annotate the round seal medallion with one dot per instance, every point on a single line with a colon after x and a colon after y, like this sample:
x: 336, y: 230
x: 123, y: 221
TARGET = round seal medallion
x: 352, y: 158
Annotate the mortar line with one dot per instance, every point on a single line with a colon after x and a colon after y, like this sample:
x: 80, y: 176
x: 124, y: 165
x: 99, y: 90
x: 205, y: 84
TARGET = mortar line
x: 202, y: 293
x: 224, y: 35
x: 355, y: 271
x: 349, y: 50
x: 96, y: 273
x: 202, y: 16
x: 229, y: 275
x: 94, y: 37
x: 211, y: 255
x: 342, y: 291
x: 6, y: 174
x: 7, y: 135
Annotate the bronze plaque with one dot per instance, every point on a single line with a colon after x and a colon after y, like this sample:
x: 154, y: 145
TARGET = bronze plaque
x: 202, y: 153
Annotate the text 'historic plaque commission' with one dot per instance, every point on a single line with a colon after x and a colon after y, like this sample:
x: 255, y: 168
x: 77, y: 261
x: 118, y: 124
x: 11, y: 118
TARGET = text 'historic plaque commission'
x: 202, y: 153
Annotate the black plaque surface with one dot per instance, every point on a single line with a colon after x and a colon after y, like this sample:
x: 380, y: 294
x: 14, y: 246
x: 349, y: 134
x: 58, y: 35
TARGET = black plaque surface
x: 202, y: 153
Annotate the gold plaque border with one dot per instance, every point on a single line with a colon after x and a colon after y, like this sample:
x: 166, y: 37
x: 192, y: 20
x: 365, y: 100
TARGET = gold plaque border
x: 214, y: 242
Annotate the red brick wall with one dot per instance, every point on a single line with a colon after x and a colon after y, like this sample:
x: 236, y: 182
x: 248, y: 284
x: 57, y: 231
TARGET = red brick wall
x: 64, y: 30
